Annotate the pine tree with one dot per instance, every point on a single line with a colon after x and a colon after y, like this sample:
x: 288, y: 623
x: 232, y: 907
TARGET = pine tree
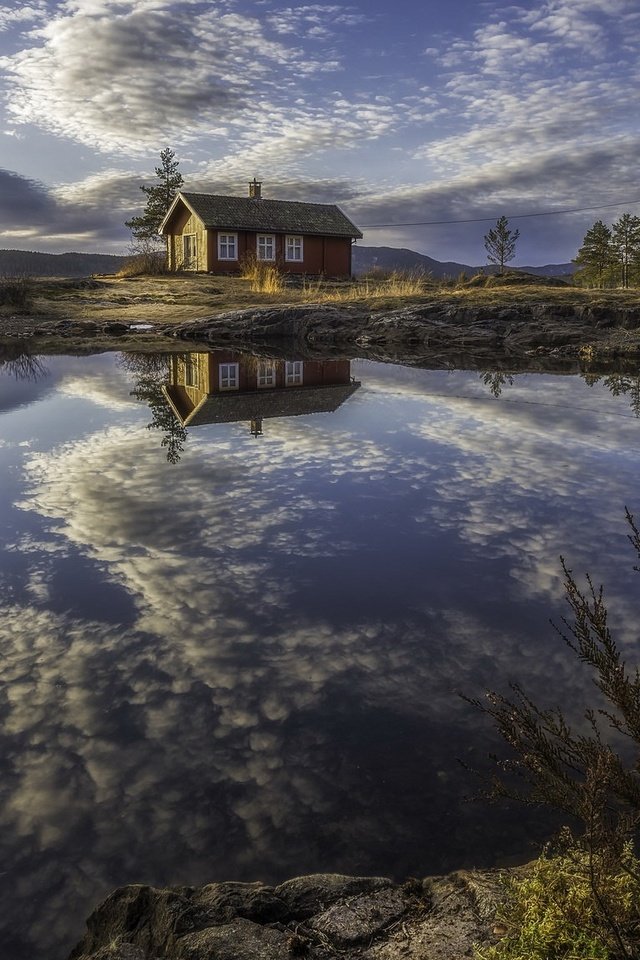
x: 596, y: 255
x: 500, y: 243
x: 625, y: 241
x: 159, y: 199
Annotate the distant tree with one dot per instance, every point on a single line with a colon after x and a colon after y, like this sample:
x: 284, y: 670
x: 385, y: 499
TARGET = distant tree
x: 596, y: 255
x: 159, y: 199
x: 625, y: 241
x: 500, y: 243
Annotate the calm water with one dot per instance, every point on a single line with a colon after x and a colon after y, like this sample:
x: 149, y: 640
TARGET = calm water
x: 244, y: 664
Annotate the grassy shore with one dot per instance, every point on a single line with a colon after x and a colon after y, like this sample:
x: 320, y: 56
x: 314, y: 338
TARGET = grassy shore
x: 178, y: 298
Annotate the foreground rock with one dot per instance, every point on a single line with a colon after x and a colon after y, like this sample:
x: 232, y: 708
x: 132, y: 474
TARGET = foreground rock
x: 549, y: 328
x: 317, y: 917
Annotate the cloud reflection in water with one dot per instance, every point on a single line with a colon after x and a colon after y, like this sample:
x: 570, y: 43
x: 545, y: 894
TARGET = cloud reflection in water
x: 270, y: 687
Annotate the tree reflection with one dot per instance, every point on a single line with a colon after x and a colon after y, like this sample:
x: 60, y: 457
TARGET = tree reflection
x: 496, y: 380
x: 152, y: 372
x: 619, y: 384
x: 16, y: 360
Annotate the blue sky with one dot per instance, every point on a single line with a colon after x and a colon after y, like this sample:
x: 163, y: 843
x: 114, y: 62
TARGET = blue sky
x: 400, y: 112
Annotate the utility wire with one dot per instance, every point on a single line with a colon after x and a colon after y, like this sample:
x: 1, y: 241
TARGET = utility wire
x: 512, y: 216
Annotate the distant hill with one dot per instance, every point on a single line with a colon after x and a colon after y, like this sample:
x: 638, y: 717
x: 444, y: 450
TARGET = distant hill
x: 32, y: 264
x: 27, y: 263
x: 391, y: 258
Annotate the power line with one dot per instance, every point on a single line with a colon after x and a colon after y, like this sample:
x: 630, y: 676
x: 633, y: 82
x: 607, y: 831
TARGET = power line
x: 512, y: 216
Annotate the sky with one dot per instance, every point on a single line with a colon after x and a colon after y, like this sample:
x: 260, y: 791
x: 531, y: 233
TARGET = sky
x: 409, y: 115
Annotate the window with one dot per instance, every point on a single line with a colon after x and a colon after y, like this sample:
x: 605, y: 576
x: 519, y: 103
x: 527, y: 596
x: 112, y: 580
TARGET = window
x: 293, y: 249
x: 266, y: 374
x: 293, y: 372
x: 191, y: 372
x: 227, y: 246
x: 189, y: 250
x: 266, y: 246
x: 228, y: 376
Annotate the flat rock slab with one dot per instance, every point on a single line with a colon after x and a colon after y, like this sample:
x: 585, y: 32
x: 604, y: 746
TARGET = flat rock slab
x: 359, y: 920
x: 240, y: 940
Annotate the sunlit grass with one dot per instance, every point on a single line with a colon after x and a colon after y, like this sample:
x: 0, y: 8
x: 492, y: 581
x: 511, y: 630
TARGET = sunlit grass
x: 396, y: 284
x: 264, y: 277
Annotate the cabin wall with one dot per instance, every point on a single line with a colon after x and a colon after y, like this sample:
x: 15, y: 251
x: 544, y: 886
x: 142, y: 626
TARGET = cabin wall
x: 328, y: 256
x: 187, y: 223
x: 315, y: 372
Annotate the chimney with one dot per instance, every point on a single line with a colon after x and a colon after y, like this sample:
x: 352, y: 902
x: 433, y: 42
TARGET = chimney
x: 255, y: 189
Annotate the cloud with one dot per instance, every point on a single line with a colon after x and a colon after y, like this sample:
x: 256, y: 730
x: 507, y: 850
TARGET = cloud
x: 89, y: 213
x: 158, y: 70
x: 21, y: 15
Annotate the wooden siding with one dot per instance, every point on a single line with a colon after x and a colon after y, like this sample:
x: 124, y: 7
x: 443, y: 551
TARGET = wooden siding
x: 203, y: 372
x: 328, y: 256
x: 187, y: 223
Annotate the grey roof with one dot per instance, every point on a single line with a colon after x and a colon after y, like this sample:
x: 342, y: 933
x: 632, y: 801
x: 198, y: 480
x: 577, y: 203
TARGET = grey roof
x: 259, y: 404
x: 278, y: 216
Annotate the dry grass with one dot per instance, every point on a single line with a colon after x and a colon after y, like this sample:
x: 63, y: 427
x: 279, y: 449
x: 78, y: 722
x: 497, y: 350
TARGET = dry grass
x: 148, y: 263
x: 180, y: 297
x: 264, y: 277
x: 375, y: 286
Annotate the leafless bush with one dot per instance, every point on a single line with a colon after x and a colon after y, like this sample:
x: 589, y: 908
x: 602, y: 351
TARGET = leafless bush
x: 145, y: 263
x: 16, y: 291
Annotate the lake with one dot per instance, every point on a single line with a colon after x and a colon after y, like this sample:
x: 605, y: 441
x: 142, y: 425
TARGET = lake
x: 241, y: 598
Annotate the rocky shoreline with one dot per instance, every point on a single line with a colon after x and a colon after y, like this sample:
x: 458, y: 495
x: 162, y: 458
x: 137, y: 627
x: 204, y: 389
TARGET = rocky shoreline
x: 317, y: 917
x: 560, y: 331
x: 521, y: 331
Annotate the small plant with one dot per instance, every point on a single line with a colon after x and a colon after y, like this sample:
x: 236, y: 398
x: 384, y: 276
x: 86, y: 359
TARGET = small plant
x: 587, y: 353
x: 551, y: 913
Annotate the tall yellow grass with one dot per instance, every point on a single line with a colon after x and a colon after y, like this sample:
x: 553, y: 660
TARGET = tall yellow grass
x: 264, y: 277
x: 396, y: 284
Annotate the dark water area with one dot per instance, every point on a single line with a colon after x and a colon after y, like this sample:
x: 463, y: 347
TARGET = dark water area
x: 241, y: 598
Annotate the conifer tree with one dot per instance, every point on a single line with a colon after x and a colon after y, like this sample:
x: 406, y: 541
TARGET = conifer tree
x: 625, y: 241
x: 159, y: 199
x: 596, y: 255
x: 500, y: 243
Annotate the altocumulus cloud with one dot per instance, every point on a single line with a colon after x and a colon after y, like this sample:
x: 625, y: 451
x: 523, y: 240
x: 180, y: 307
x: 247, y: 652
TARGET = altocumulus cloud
x: 157, y: 69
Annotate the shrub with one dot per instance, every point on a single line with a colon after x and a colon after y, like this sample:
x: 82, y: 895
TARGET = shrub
x: 146, y: 263
x: 582, y: 774
x: 16, y: 291
x: 551, y: 913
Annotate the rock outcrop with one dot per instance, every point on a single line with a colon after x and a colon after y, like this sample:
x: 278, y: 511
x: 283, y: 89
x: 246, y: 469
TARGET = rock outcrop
x: 515, y: 330
x: 318, y: 917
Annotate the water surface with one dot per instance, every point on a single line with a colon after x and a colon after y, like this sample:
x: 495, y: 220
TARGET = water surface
x: 229, y: 656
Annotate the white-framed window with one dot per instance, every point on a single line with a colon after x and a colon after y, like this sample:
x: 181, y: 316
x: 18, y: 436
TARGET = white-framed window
x: 227, y: 246
x: 189, y: 250
x: 266, y: 376
x: 293, y: 249
x: 266, y: 246
x: 228, y: 376
x: 293, y: 372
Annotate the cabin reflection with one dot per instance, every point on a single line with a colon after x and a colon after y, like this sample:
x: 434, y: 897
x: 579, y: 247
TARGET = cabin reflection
x: 226, y: 387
